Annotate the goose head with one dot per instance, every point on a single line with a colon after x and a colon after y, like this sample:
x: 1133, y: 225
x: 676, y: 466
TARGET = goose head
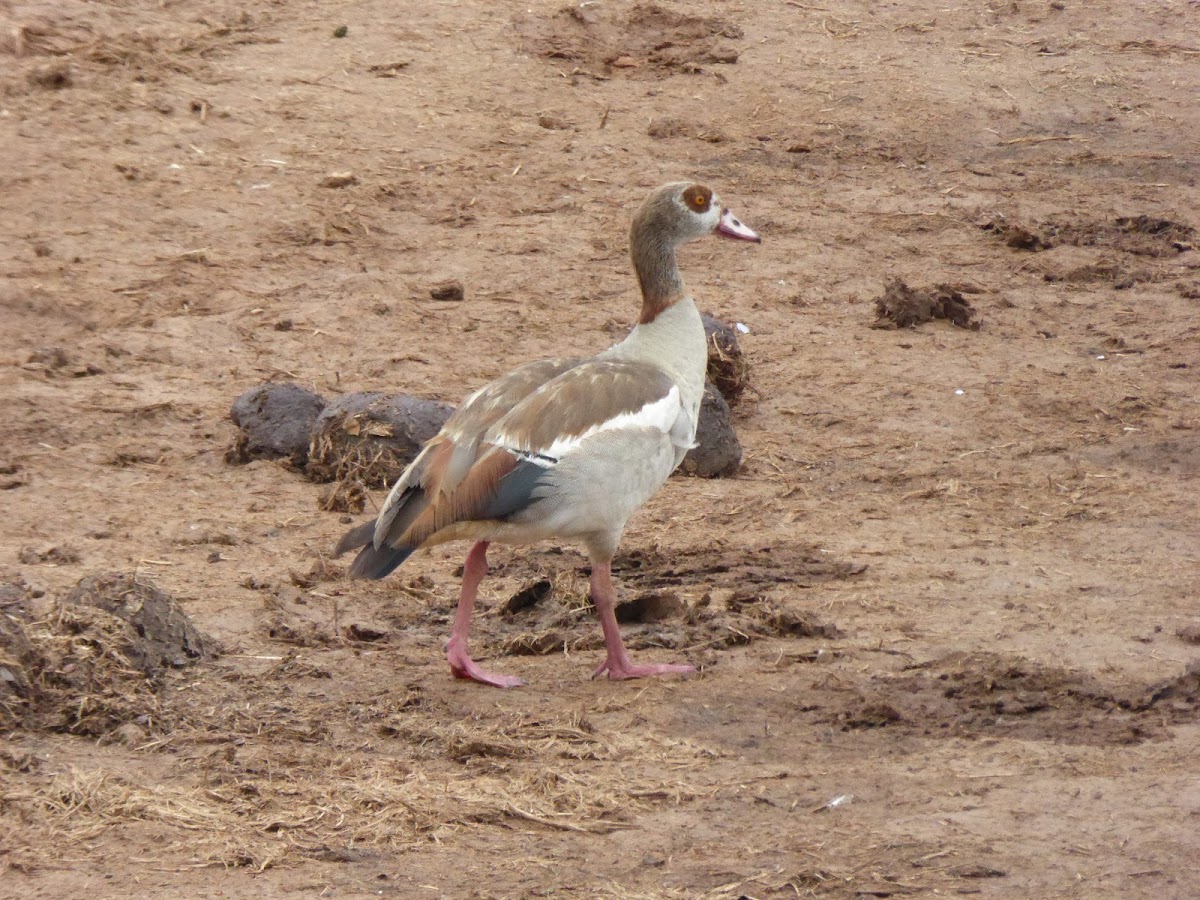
x: 684, y: 211
x: 672, y: 215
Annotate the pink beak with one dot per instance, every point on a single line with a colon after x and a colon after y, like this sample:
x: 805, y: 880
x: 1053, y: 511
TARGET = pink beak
x: 730, y: 227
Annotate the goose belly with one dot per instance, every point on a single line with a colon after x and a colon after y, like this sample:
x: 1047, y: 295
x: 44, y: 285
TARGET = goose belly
x: 598, y: 485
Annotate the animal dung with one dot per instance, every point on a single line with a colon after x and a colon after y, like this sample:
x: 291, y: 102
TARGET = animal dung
x: 275, y: 420
x: 901, y: 306
x: 372, y: 437
x: 168, y: 640
x: 95, y: 662
x: 727, y: 365
x: 717, y: 453
x: 365, y: 440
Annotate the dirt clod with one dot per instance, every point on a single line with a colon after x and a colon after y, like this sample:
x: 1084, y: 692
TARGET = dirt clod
x: 647, y: 37
x: 1189, y: 634
x: 663, y: 128
x: 447, y: 290
x: 553, y: 122
x: 654, y: 606
x: 52, y: 76
x: 1139, y: 235
x: 339, y: 180
x: 529, y: 596
x: 50, y: 555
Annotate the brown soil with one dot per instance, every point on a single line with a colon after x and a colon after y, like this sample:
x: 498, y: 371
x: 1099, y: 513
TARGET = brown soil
x: 945, y: 611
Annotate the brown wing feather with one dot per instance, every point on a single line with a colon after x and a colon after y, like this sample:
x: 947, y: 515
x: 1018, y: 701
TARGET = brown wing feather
x: 449, y: 457
x: 465, y: 501
x: 441, y: 451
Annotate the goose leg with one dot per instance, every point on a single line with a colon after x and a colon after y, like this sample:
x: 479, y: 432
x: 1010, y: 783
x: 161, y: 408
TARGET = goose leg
x: 460, y: 660
x: 617, y: 664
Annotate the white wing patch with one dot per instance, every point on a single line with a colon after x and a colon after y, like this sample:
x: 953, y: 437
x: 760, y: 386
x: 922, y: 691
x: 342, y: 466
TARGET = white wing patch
x: 661, y: 414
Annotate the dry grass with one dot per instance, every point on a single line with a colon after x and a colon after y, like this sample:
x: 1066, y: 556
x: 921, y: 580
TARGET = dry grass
x: 79, y: 665
x: 272, y: 798
x: 345, y: 453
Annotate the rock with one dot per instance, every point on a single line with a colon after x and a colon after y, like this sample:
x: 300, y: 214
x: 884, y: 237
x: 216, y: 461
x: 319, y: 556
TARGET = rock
x: 553, y: 122
x: 372, y: 437
x: 727, y: 367
x: 718, y: 453
x: 275, y: 420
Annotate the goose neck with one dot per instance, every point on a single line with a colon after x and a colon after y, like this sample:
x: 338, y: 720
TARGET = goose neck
x: 657, y: 274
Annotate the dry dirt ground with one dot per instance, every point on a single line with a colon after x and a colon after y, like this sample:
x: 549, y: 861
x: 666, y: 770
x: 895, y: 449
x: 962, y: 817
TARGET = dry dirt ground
x: 942, y: 613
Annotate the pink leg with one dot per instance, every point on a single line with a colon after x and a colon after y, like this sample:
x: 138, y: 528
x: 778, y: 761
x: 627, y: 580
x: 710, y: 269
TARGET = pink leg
x: 617, y: 664
x: 461, y: 663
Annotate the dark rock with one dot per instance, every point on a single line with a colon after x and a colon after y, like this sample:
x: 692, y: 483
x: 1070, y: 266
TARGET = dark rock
x: 372, y: 437
x: 366, y: 632
x: 1189, y: 634
x: 718, y: 453
x: 275, y: 420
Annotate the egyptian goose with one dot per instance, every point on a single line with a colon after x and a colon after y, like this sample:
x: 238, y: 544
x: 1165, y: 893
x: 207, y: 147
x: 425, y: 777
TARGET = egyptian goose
x: 566, y: 448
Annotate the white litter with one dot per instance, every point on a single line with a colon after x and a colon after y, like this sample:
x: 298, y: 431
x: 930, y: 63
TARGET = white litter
x: 958, y: 391
x: 742, y: 328
x: 837, y: 801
